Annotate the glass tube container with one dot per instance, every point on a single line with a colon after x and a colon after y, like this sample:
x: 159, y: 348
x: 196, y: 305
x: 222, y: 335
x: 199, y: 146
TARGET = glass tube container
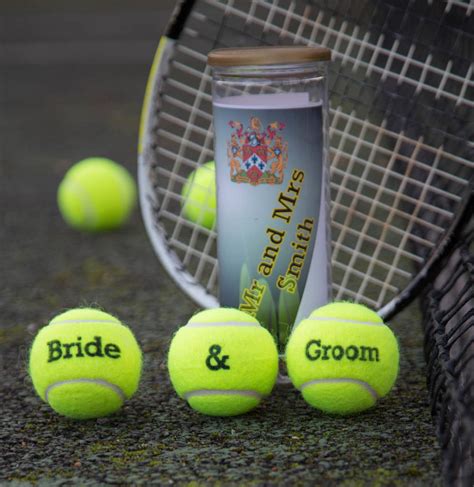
x: 270, y: 107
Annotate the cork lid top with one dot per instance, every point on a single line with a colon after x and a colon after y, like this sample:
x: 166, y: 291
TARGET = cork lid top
x: 257, y: 56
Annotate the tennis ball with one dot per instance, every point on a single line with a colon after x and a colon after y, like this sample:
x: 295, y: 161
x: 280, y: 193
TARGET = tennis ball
x: 85, y: 363
x: 223, y: 362
x: 199, y: 196
x: 96, y: 194
x: 343, y: 358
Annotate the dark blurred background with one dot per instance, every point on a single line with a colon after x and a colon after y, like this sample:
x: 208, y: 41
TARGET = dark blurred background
x: 72, y: 77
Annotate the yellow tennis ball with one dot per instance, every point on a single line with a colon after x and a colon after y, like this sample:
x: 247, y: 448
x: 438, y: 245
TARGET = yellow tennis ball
x: 199, y: 196
x: 223, y: 362
x: 85, y: 363
x: 96, y: 194
x: 343, y: 358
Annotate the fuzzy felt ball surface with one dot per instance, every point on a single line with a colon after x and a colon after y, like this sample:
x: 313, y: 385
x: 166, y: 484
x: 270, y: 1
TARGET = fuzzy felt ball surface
x: 223, y: 362
x: 96, y: 194
x: 342, y: 358
x: 85, y: 363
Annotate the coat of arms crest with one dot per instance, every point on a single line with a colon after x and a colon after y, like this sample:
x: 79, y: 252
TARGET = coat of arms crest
x: 257, y: 156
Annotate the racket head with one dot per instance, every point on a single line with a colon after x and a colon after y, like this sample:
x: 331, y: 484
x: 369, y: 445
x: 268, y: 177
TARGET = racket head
x: 401, y: 119
x: 148, y: 171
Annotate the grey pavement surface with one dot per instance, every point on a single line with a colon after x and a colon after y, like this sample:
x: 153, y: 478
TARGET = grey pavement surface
x: 67, y: 92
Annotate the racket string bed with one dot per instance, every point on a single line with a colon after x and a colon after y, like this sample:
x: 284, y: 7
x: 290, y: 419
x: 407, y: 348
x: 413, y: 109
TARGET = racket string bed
x: 402, y: 95
x: 448, y: 308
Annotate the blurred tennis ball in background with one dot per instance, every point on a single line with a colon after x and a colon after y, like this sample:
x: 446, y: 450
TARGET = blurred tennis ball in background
x: 96, y: 194
x: 199, y: 196
x: 223, y: 362
x: 343, y: 358
x: 85, y: 363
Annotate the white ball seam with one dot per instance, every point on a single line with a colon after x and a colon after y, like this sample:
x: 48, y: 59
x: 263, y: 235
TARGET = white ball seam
x: 343, y: 380
x: 220, y: 392
x: 196, y: 324
x: 90, y: 216
x: 80, y: 322
x: 342, y: 320
x: 114, y: 387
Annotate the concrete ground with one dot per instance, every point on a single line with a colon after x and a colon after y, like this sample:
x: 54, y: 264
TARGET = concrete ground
x: 72, y: 81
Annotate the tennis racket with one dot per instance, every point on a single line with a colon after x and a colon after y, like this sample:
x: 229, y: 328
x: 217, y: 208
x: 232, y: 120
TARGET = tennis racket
x: 402, y: 96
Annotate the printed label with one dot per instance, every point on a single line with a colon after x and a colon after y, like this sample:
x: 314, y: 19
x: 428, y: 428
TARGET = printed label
x: 94, y: 348
x: 216, y: 361
x: 317, y: 350
x: 269, y: 189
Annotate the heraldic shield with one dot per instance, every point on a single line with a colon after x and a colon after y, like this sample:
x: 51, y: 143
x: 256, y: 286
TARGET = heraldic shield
x: 257, y: 156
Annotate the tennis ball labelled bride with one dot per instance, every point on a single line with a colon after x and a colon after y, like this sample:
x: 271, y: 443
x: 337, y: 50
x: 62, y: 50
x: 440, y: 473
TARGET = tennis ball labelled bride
x: 85, y: 363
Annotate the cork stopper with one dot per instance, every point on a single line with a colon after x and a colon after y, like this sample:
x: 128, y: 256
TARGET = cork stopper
x: 258, y: 56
